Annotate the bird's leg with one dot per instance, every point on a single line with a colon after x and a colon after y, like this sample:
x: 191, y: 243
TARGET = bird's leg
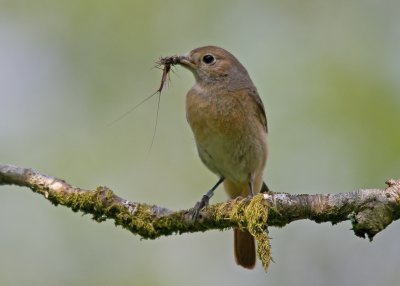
x: 251, y: 191
x: 251, y: 188
x: 204, y: 200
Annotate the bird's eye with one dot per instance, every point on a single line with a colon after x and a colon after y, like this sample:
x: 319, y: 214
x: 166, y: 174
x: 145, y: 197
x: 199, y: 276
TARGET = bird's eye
x: 209, y: 59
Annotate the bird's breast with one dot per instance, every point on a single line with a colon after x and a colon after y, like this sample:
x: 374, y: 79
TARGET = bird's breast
x: 226, y: 133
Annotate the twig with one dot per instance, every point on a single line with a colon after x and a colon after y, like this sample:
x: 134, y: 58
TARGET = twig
x: 370, y: 210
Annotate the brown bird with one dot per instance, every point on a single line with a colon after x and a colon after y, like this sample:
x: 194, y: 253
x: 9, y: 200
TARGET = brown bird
x: 228, y: 121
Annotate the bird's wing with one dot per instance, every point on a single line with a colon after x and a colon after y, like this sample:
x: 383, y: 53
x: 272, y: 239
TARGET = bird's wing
x: 260, y: 110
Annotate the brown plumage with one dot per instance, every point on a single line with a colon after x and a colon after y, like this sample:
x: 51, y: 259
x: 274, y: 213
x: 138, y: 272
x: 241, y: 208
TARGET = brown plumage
x: 228, y: 121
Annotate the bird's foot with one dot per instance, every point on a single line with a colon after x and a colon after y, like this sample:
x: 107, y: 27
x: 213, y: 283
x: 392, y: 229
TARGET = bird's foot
x: 199, y: 206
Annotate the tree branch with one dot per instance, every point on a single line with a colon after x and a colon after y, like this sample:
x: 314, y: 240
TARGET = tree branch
x: 369, y: 210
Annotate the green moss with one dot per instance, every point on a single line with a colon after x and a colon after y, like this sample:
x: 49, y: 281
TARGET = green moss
x: 263, y: 249
x: 253, y: 216
x: 82, y: 201
x: 141, y: 222
x: 140, y: 219
x: 256, y: 214
x: 238, y: 213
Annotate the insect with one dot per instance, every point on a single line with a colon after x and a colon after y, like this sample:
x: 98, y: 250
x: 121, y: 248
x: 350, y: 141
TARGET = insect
x: 164, y: 63
x: 167, y: 62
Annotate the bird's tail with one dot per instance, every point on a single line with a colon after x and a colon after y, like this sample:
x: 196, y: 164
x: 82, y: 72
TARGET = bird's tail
x: 245, y: 248
x: 244, y: 244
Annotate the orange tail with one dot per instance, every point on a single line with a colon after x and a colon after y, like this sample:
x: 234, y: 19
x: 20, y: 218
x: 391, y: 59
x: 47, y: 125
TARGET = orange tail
x: 245, y: 249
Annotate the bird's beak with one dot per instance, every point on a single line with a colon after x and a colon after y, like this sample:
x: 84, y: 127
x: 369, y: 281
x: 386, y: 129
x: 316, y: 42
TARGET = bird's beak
x: 186, y: 61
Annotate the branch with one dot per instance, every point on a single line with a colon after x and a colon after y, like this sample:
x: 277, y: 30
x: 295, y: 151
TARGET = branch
x: 369, y: 210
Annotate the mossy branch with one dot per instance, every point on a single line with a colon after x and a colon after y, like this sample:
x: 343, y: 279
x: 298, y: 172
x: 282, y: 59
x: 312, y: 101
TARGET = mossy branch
x: 369, y: 210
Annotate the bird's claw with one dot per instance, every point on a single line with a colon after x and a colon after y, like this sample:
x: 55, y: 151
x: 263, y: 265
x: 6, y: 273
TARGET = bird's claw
x: 199, y: 206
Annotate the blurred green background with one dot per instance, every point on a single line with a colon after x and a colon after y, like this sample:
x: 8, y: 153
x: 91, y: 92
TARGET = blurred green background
x: 327, y: 71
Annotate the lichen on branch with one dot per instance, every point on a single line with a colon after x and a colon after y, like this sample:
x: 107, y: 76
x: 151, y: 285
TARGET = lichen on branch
x: 369, y: 210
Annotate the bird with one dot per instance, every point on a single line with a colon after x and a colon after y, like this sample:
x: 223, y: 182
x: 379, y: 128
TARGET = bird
x: 229, y: 124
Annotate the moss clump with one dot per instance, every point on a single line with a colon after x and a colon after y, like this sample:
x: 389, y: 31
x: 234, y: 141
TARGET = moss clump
x: 253, y: 216
x: 257, y: 217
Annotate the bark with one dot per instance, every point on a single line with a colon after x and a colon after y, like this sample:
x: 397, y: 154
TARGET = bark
x: 369, y: 210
